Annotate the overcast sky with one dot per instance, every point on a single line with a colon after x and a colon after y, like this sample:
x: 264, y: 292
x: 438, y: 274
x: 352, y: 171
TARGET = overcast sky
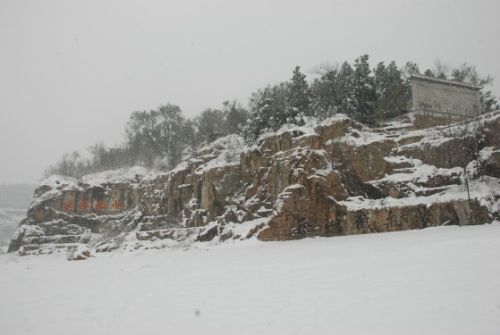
x: 71, y: 72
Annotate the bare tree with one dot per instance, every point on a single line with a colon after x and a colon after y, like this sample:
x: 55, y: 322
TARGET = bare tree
x: 441, y: 69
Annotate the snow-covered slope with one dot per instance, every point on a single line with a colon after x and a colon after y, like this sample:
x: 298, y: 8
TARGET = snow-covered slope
x: 326, y: 178
x: 440, y: 280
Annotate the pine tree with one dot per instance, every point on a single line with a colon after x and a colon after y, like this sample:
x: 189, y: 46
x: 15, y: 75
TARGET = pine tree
x: 364, y: 91
x: 299, y: 96
x: 192, y: 135
x: 235, y: 117
x: 488, y: 102
x: 344, y: 88
x: 392, y: 91
x: 429, y: 73
x: 262, y: 115
x: 268, y: 110
x: 324, y: 94
x: 381, y: 78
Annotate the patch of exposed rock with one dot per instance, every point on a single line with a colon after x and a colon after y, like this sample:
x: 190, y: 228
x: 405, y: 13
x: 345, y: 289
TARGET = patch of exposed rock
x: 329, y: 178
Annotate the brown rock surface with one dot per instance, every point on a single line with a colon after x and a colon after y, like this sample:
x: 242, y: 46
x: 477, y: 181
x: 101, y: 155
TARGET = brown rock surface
x: 297, y: 183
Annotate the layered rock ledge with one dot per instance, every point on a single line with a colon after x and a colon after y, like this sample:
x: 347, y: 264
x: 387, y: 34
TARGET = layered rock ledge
x: 329, y: 178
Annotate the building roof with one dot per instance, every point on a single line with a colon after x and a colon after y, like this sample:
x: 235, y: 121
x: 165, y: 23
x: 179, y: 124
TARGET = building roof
x: 444, y: 81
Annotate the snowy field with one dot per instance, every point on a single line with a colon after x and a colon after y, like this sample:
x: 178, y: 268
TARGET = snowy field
x: 435, y: 281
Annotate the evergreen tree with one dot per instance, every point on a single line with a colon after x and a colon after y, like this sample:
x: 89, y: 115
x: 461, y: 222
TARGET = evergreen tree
x: 324, y: 94
x: 364, y: 91
x: 344, y: 89
x: 381, y: 78
x: 261, y: 113
x: 429, y: 73
x: 488, y: 101
x: 193, y: 136
x: 162, y: 135
x: 392, y: 91
x: 268, y: 110
x: 235, y: 117
x: 299, y: 96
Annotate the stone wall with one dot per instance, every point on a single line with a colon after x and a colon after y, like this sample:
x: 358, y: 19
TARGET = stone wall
x: 444, y: 98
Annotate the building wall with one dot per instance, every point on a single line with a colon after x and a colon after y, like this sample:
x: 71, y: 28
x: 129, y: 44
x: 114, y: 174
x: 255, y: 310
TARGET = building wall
x: 443, y: 99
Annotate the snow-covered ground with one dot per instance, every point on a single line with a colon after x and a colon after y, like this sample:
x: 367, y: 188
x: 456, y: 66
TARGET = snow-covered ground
x: 442, y: 280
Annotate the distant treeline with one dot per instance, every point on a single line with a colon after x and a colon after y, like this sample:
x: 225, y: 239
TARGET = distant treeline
x: 161, y: 138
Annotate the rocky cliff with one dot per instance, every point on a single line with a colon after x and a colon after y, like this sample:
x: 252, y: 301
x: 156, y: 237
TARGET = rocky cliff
x: 329, y: 178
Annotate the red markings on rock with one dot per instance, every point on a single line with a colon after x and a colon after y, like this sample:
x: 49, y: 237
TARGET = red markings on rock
x: 116, y: 205
x: 84, y: 205
x: 68, y: 206
x: 100, y: 205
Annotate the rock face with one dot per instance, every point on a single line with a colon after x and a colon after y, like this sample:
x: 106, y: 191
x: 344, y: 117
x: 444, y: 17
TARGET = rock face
x: 329, y: 178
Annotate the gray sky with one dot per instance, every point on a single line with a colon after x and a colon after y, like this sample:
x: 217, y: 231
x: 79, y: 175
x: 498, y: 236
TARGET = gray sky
x: 71, y: 72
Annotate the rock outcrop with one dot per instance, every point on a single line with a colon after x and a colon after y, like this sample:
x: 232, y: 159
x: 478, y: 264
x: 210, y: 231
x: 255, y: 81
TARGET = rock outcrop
x: 329, y: 178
